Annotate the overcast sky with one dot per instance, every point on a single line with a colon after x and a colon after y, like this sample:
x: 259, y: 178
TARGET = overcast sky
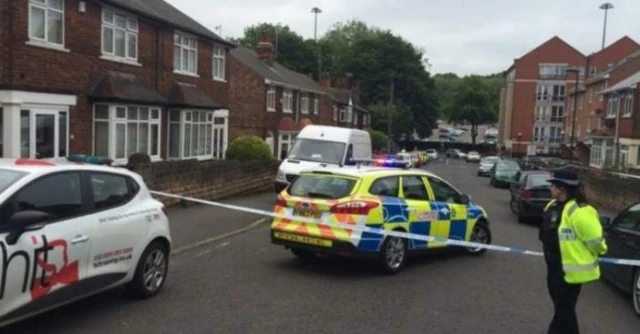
x: 460, y: 36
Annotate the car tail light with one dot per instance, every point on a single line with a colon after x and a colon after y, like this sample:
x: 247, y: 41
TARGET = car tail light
x: 527, y: 193
x: 281, y: 202
x: 354, y: 208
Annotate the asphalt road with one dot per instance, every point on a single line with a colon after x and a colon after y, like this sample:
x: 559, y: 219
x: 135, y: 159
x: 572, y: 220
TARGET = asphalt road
x: 246, y: 285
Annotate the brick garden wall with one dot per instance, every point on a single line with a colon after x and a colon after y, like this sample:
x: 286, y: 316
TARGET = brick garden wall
x: 608, y: 192
x: 208, y: 180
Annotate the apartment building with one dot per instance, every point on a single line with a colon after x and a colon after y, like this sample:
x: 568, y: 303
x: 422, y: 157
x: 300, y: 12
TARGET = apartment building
x: 535, y: 108
x: 110, y: 78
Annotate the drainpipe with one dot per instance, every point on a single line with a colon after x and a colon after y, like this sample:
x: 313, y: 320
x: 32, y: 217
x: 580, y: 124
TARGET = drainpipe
x: 617, y: 135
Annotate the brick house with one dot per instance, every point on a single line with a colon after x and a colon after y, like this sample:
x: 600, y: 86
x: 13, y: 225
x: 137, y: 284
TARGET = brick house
x: 606, y: 68
x: 274, y: 102
x: 110, y: 78
x: 348, y: 111
x: 533, y: 97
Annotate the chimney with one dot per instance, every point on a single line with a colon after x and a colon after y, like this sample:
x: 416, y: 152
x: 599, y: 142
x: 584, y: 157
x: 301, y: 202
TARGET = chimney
x: 265, y: 49
x: 342, y: 83
x: 355, y: 91
x: 325, y: 80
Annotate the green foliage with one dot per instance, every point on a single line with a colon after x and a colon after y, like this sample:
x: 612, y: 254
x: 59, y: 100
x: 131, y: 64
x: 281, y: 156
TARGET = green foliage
x: 472, y: 103
x: 249, y: 148
x: 138, y: 158
x: 378, y: 140
x: 447, y: 84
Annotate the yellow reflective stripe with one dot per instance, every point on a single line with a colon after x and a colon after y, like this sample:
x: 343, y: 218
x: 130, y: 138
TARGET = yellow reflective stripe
x: 549, y: 204
x: 572, y: 209
x: 575, y: 268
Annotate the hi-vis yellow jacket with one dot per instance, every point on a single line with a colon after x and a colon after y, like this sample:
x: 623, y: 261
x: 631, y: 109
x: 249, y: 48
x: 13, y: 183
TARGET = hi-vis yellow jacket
x: 581, y: 242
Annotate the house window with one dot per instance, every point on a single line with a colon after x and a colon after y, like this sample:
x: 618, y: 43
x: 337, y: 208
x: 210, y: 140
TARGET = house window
x: 285, y: 144
x: 542, y: 93
x: 185, y: 54
x: 218, y: 63
x: 44, y: 133
x: 628, y: 104
x: 608, y: 157
x: 316, y: 106
x: 304, y: 104
x: 343, y: 114
x: 197, y: 134
x: 555, y: 134
x: 558, y: 92
x: 612, y: 106
x: 335, y: 113
x: 596, y: 152
x: 46, y: 21
x: 623, y: 159
x: 287, y: 101
x: 119, y: 35
x: 557, y: 114
x: 552, y: 70
x: 271, y: 99
x: 120, y: 131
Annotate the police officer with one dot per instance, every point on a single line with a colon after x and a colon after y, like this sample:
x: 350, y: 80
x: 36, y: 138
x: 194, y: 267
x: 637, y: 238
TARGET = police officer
x: 572, y: 239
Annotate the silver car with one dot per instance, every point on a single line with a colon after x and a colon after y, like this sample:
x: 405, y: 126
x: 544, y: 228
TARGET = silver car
x: 484, y: 169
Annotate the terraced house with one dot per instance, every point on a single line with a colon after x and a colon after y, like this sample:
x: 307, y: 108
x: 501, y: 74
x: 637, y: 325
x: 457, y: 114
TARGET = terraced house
x: 111, y: 78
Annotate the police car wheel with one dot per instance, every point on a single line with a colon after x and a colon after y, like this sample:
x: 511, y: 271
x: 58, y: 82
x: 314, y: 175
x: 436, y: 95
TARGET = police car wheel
x: 151, y: 272
x: 393, y: 255
x: 636, y: 292
x: 303, y: 254
x: 481, y: 235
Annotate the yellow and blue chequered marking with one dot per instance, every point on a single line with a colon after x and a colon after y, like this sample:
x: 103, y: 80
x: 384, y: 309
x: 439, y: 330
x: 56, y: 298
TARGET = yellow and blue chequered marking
x: 394, y: 211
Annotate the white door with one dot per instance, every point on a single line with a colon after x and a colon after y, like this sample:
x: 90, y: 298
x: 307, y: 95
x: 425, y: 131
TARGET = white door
x: 49, y: 258
x: 48, y: 133
x: 219, y: 137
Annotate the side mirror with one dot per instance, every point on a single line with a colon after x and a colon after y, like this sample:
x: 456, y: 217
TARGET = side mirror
x: 465, y: 199
x: 605, y: 221
x: 25, y: 221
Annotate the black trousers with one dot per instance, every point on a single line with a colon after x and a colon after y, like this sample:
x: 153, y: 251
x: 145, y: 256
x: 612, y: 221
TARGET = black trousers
x: 565, y: 297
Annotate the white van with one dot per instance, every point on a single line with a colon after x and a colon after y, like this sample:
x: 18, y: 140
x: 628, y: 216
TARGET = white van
x: 323, y: 146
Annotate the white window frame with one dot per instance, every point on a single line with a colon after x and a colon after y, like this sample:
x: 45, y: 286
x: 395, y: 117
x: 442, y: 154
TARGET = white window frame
x: 612, y: 106
x: 42, y: 4
x: 304, y: 103
x: 34, y: 109
x: 628, y: 105
x: 271, y: 98
x: 335, y: 113
x: 219, y: 63
x: 131, y: 30
x: 287, y: 101
x: 179, y: 39
x: 316, y: 105
x: 343, y: 114
x: 289, y: 138
x: 114, y: 120
x: 215, y: 121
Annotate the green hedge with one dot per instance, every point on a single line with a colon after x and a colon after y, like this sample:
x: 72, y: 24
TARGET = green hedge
x: 249, y: 148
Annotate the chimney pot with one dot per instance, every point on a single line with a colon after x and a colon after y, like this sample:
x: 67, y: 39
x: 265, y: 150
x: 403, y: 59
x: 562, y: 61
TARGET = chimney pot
x: 265, y: 49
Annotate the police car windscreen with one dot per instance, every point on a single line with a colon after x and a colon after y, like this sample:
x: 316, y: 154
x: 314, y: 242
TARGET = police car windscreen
x: 321, y: 186
x: 9, y: 177
x: 317, y: 150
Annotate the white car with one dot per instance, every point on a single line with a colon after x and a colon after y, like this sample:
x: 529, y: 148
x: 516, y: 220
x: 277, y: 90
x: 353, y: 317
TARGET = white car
x: 69, y: 230
x: 433, y: 154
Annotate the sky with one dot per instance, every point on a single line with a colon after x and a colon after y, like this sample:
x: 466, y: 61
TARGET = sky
x: 459, y: 36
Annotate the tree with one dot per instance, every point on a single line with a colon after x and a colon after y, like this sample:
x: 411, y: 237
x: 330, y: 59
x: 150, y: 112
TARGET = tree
x: 472, y: 103
x: 378, y: 140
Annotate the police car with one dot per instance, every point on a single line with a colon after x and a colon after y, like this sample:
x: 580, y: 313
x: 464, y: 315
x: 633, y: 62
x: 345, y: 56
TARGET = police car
x: 70, y: 230
x: 405, y: 200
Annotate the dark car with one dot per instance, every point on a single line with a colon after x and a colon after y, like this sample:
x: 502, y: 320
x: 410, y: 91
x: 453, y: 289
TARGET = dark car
x: 503, y: 173
x: 622, y: 234
x: 530, y: 194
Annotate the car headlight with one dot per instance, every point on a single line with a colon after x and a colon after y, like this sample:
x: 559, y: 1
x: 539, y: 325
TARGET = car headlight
x: 281, y: 176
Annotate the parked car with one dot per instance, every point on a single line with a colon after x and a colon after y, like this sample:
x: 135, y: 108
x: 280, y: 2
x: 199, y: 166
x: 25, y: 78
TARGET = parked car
x: 503, y: 173
x: 80, y: 229
x: 486, y: 164
x: 530, y: 194
x: 406, y: 158
x: 622, y: 234
x: 433, y: 154
x: 390, y: 161
x: 473, y: 156
x: 455, y: 153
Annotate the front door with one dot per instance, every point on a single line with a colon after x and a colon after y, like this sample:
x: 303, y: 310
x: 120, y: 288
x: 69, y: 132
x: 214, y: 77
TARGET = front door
x: 47, y: 133
x: 219, y: 137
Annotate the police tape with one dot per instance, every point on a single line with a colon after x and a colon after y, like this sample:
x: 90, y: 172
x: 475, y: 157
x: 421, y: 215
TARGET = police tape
x: 398, y: 234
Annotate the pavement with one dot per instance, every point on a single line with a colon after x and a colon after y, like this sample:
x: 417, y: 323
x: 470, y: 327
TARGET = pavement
x: 243, y: 284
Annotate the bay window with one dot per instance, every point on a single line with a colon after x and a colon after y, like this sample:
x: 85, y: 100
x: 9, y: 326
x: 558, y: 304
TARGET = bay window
x: 218, y: 63
x: 46, y: 21
x: 185, y: 54
x: 119, y: 35
x: 122, y: 130
x: 198, y: 134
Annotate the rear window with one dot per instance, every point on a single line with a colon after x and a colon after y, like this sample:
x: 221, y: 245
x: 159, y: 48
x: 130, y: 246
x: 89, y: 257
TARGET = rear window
x: 321, y: 186
x: 492, y: 160
x: 539, y: 180
x: 9, y: 177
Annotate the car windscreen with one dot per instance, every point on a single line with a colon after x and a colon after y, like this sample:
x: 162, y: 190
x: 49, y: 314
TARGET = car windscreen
x: 490, y: 160
x: 321, y: 186
x: 9, y: 177
x: 539, y: 180
x: 322, y: 151
x: 507, y: 165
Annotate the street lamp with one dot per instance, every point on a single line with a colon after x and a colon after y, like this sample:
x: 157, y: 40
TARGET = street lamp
x: 316, y: 11
x: 576, y: 70
x: 605, y: 6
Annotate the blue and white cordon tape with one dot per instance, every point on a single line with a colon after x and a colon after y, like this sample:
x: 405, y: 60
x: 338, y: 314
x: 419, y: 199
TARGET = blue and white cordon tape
x: 405, y: 235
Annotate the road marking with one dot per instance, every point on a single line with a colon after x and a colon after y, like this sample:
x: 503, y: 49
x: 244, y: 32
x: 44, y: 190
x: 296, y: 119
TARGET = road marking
x: 224, y: 244
x: 204, y: 242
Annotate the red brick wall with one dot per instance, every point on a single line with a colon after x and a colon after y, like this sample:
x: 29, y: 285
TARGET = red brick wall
x: 247, y: 98
x: 75, y: 72
x: 607, y: 192
x: 5, y: 24
x: 201, y: 180
x: 613, y: 53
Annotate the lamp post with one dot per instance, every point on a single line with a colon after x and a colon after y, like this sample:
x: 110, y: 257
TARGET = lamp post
x: 519, y: 141
x: 316, y: 11
x: 605, y: 6
x: 575, y: 70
